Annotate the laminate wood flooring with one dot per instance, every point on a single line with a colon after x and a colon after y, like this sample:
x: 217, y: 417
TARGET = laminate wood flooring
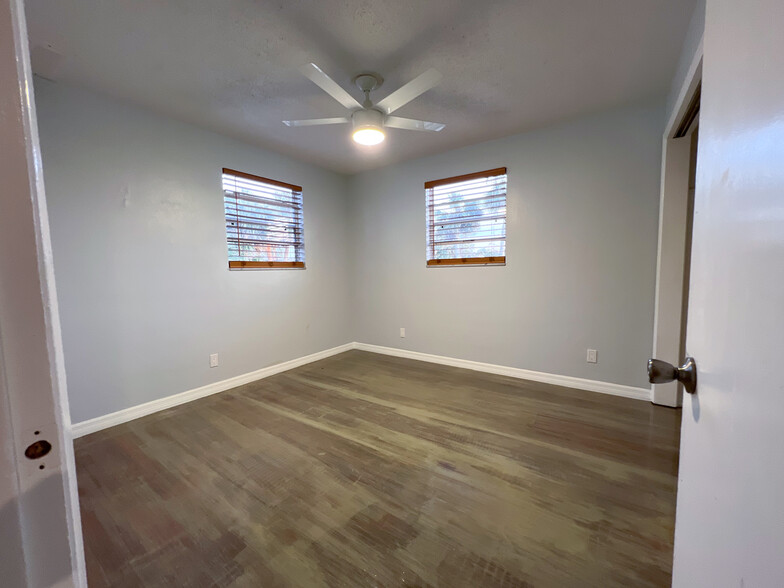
x: 369, y: 470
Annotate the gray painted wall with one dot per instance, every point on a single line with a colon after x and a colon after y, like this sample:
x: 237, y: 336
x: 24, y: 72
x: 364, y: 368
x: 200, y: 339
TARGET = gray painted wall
x: 582, y: 221
x: 137, y: 225
x: 136, y: 212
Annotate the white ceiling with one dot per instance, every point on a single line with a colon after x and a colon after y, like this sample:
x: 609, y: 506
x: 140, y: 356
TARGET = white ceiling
x: 231, y: 65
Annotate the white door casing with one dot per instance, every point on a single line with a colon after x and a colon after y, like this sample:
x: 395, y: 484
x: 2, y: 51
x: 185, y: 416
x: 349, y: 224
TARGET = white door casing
x: 671, y: 254
x: 730, y: 520
x: 40, y: 532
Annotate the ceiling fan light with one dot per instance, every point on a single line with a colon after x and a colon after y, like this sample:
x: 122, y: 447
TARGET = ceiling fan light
x: 368, y: 126
x: 368, y: 136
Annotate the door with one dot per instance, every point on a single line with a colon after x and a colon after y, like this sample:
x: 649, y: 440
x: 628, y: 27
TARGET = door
x: 729, y: 528
x: 40, y: 536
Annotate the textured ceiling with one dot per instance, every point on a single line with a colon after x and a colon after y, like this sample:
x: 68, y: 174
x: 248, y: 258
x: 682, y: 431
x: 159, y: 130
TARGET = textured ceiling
x: 231, y: 66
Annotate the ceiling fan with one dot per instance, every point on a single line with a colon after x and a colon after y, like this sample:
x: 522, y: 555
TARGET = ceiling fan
x: 368, y: 119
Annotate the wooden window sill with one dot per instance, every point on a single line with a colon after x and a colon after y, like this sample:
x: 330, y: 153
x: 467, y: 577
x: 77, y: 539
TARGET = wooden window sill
x: 498, y: 260
x: 266, y: 265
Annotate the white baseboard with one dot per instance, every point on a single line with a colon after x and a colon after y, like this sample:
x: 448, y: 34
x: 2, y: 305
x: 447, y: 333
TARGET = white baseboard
x: 568, y: 381
x: 135, y: 412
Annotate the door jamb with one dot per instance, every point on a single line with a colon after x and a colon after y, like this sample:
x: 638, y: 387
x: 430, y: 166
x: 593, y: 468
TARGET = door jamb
x: 671, y: 253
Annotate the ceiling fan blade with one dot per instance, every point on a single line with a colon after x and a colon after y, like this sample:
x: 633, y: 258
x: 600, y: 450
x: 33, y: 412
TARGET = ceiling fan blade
x: 411, y: 124
x: 405, y: 94
x: 330, y: 86
x: 311, y: 122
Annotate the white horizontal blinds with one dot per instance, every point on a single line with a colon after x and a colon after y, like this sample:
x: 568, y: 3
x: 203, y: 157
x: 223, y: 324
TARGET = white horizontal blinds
x: 263, y: 219
x: 466, y: 216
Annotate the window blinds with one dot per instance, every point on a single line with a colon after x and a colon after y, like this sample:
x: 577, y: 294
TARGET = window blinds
x: 466, y: 219
x: 264, y: 225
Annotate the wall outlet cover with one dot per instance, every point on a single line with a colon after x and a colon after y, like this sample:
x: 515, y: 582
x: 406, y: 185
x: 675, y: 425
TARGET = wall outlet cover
x: 592, y: 356
x: 213, y: 360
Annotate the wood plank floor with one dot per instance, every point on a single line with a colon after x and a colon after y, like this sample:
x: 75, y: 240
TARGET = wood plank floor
x: 369, y: 470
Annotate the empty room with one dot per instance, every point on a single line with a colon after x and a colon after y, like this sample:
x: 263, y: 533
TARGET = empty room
x: 366, y: 293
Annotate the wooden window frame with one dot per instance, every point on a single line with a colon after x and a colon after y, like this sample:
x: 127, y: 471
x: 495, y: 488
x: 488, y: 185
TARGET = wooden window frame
x: 499, y: 260
x: 262, y: 265
x: 266, y: 264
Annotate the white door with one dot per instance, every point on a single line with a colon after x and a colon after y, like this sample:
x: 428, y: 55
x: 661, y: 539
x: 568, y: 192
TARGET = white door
x: 729, y: 528
x: 40, y: 535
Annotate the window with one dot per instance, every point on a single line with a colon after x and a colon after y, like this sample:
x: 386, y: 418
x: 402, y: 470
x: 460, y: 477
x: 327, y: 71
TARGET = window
x: 264, y: 227
x: 466, y: 219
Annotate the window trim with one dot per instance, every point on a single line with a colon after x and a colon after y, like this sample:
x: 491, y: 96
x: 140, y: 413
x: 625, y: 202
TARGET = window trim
x: 247, y: 176
x: 492, y: 260
x: 265, y: 264
x: 498, y: 171
x: 255, y: 265
x: 498, y: 260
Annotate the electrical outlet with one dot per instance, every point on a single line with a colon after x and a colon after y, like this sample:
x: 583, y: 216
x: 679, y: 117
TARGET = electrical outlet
x: 591, y: 357
x: 213, y: 360
x: 402, y: 332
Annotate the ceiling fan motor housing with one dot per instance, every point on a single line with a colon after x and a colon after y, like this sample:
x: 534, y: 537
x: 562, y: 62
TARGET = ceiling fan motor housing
x: 369, y: 118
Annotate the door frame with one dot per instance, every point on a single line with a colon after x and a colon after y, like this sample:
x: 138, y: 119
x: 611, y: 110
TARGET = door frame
x: 671, y: 253
x: 40, y: 534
